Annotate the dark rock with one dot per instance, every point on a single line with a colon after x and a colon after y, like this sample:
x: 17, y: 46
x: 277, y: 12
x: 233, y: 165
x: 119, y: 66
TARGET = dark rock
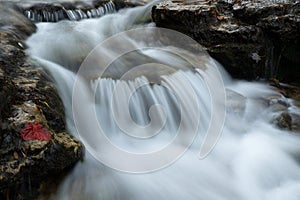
x: 27, y: 96
x: 251, y: 39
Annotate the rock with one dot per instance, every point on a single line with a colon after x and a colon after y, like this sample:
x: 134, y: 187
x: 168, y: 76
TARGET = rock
x: 284, y: 121
x: 34, y: 160
x: 250, y: 39
x: 27, y: 96
x: 288, y: 121
x: 14, y: 24
x: 287, y: 115
x: 295, y: 122
x: 289, y: 91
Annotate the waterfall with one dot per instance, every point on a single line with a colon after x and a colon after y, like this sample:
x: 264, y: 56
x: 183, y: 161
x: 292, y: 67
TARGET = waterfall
x: 58, y: 13
x: 252, y: 160
x: 79, y: 14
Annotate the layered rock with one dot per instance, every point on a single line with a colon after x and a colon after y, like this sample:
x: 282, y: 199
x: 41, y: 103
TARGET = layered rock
x: 251, y: 39
x: 26, y: 97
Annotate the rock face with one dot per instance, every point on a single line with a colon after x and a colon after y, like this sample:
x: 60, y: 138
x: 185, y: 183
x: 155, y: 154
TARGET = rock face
x: 27, y: 96
x: 251, y: 39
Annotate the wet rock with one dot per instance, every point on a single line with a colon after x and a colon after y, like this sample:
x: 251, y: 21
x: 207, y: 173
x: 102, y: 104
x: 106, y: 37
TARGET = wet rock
x: 27, y: 96
x: 251, y: 39
x: 289, y: 121
x: 287, y: 116
x: 285, y: 121
x: 278, y: 104
x: 13, y: 23
x: 289, y: 91
x: 296, y: 122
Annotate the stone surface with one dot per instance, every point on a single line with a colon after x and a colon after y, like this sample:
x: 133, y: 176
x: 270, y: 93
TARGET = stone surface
x: 251, y: 39
x: 288, y: 118
x: 27, y: 96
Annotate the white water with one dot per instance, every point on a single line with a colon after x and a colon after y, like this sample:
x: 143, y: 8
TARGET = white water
x: 73, y: 15
x: 252, y: 160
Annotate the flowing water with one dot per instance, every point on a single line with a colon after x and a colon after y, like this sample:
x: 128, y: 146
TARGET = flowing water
x: 61, y: 13
x: 252, y: 160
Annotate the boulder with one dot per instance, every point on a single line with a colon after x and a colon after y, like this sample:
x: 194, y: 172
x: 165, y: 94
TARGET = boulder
x: 250, y: 39
x: 28, y: 98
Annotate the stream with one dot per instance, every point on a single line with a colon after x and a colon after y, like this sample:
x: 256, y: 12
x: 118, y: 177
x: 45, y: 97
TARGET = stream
x: 168, y: 130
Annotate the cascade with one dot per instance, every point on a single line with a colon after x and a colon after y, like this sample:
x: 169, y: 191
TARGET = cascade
x: 252, y: 160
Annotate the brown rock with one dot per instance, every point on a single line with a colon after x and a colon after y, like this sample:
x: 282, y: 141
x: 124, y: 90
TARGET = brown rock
x: 251, y: 39
x: 26, y: 96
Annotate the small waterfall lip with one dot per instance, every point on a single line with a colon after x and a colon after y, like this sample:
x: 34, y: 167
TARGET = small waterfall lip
x: 55, y: 13
x: 96, y: 63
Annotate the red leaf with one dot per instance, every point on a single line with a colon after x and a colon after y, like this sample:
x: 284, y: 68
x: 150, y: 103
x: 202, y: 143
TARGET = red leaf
x: 35, y: 131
